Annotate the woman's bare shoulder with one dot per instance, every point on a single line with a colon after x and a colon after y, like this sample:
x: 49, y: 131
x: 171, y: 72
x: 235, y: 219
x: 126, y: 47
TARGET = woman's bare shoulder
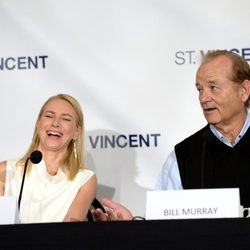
x: 3, y: 165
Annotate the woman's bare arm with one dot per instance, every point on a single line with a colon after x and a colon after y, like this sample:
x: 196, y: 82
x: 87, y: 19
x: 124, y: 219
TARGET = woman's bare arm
x: 82, y: 202
x: 2, y: 177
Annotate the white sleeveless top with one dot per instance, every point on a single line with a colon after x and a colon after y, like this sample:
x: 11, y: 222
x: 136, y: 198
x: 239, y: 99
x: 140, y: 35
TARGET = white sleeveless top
x: 45, y: 198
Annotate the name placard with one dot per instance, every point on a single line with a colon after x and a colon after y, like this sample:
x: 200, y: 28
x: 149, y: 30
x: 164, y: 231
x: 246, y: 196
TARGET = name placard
x: 193, y: 203
x: 8, y: 210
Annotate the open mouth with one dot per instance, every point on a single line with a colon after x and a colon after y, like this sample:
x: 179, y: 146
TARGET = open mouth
x: 209, y: 110
x: 54, y: 133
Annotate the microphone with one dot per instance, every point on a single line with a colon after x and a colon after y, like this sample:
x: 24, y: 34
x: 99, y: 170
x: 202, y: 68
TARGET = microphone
x: 206, y: 136
x: 35, y: 157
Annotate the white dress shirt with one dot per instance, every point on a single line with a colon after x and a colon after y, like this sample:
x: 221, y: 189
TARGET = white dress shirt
x: 169, y: 177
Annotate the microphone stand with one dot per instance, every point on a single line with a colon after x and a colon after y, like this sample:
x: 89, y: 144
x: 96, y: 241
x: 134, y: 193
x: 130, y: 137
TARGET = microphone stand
x: 207, y: 138
x: 35, y: 157
x: 203, y: 163
x: 21, y: 190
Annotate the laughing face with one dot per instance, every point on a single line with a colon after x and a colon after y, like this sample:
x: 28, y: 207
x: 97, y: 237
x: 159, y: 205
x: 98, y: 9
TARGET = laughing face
x: 57, y: 126
x: 221, y: 99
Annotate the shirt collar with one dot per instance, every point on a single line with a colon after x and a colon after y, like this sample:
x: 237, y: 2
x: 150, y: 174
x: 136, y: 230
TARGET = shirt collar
x: 238, y: 138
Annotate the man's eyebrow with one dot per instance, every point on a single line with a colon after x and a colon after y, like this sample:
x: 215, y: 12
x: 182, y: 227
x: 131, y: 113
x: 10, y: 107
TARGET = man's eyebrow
x: 212, y: 82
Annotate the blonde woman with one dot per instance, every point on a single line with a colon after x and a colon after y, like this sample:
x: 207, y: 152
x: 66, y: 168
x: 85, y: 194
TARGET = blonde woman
x: 58, y: 188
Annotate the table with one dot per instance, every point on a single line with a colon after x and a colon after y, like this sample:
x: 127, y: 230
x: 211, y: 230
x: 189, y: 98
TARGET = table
x: 154, y: 234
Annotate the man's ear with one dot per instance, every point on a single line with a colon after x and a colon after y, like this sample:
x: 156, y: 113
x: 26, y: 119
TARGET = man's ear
x: 245, y: 90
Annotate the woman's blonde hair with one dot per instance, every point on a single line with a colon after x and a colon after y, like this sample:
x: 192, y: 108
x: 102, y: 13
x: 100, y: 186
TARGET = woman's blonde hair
x: 70, y: 164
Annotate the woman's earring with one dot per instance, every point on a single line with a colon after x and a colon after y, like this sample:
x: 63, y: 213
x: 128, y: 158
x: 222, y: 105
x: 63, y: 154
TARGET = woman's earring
x: 75, y: 152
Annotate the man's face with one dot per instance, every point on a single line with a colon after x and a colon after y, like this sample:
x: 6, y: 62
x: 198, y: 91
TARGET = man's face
x: 220, y: 98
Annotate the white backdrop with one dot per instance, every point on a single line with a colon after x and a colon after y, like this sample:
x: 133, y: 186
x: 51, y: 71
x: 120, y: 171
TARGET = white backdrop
x: 130, y: 63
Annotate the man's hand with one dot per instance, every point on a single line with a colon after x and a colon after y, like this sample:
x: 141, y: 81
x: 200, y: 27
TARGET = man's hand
x: 114, y: 212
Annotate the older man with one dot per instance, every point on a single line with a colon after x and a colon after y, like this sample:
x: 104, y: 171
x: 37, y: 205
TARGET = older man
x: 217, y: 156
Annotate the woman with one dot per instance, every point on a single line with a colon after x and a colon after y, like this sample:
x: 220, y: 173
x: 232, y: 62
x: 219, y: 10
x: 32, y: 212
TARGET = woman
x: 58, y: 188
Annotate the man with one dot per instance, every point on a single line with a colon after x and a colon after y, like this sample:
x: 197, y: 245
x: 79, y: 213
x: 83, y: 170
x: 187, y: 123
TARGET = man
x: 218, y: 155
